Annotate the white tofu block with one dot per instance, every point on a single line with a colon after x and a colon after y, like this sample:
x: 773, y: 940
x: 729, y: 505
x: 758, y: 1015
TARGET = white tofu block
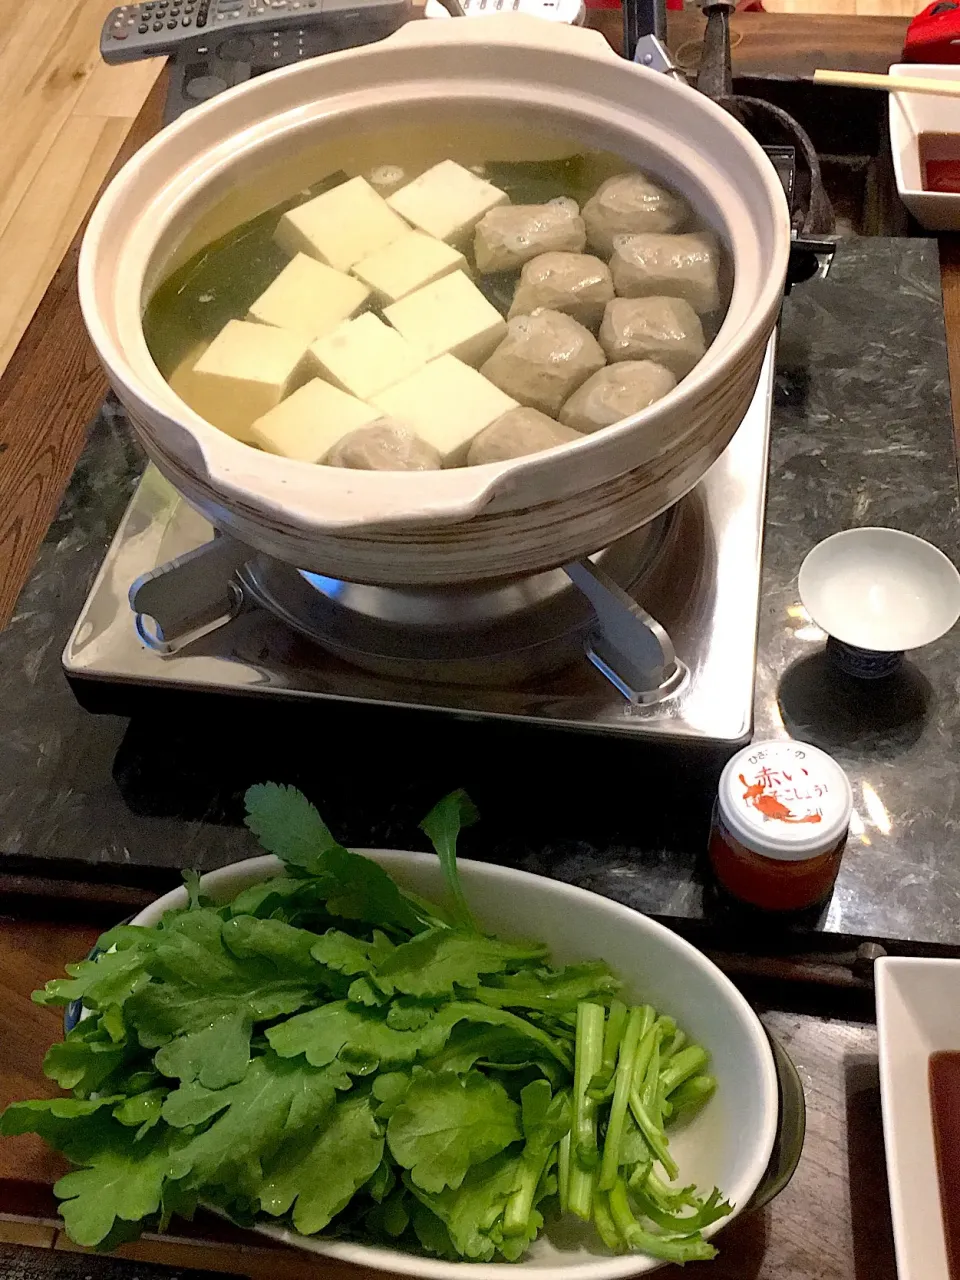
x: 446, y: 403
x: 365, y: 356
x: 309, y: 297
x: 449, y: 317
x: 309, y: 423
x: 341, y: 226
x: 447, y: 201
x: 246, y: 370
x: 410, y: 262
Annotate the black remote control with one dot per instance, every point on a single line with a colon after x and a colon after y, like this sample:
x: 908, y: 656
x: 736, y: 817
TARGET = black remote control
x: 159, y: 27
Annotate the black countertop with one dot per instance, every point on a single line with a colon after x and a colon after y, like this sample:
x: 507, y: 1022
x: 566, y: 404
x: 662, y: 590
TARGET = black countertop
x: 861, y: 435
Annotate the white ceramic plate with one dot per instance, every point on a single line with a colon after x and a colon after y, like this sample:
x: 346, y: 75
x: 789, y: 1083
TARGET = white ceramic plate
x: 727, y: 1145
x: 918, y: 1013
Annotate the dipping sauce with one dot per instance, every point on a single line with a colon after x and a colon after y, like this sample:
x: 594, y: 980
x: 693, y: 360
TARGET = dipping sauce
x: 945, y: 1109
x: 940, y: 162
x: 779, y: 825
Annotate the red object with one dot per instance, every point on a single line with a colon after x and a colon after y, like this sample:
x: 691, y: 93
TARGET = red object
x: 942, y: 175
x: 763, y: 882
x: 934, y: 34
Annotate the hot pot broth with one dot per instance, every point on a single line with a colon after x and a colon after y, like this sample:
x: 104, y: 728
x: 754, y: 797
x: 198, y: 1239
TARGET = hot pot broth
x: 442, y: 296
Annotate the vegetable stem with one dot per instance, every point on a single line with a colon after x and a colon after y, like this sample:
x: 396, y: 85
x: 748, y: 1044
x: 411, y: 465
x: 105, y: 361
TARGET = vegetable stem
x: 688, y: 1062
x: 655, y: 1139
x: 563, y: 1173
x: 603, y: 1221
x: 689, y: 1248
x: 585, y: 1153
x: 621, y: 1096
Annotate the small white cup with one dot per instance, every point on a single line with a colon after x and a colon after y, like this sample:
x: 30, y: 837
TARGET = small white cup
x: 877, y: 592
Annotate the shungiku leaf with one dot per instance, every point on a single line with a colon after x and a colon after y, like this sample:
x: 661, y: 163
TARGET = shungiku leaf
x: 446, y: 1123
x: 436, y: 962
x: 442, y: 826
x: 319, y: 1175
x: 286, y: 824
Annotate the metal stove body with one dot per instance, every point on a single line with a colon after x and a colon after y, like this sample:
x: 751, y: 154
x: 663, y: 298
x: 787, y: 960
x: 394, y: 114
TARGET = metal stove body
x: 527, y: 651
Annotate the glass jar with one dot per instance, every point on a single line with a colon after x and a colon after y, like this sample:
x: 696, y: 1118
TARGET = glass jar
x: 780, y: 824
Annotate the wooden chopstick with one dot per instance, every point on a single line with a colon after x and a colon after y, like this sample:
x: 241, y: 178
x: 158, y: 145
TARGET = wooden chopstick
x: 893, y: 84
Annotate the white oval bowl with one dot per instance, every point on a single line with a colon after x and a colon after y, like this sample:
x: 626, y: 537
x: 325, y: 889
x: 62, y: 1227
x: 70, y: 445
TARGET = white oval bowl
x: 728, y: 1144
x: 464, y: 524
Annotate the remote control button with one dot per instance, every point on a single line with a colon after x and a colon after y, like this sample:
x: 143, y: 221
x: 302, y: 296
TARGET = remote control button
x: 158, y: 26
x: 121, y: 35
x: 187, y: 22
x: 143, y: 29
x: 172, y: 26
x: 205, y: 87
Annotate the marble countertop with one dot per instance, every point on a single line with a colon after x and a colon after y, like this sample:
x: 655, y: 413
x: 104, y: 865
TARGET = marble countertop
x: 861, y: 435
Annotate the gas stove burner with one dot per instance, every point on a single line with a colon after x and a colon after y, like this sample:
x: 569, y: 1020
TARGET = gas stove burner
x: 494, y: 634
x: 652, y: 638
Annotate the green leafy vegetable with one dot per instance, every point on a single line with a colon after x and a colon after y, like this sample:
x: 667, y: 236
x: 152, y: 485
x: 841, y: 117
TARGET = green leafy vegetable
x: 446, y: 1123
x: 318, y: 1176
x: 436, y: 962
x: 442, y: 826
x: 287, y: 824
x: 333, y: 1052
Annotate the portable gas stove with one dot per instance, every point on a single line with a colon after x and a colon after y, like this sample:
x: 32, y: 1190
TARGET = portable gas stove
x: 653, y: 637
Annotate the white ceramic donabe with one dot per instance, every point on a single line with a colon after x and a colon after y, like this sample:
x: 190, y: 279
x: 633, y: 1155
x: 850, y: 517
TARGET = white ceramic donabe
x: 728, y: 1144
x: 910, y: 115
x: 918, y: 1013
x: 514, y: 517
x: 880, y: 589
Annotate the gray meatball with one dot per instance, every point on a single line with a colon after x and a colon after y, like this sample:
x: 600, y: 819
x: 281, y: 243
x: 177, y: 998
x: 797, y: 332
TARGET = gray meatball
x: 627, y: 204
x: 615, y: 393
x: 543, y: 359
x: 577, y: 284
x: 384, y: 446
x: 515, y: 434
x: 652, y: 265
x: 667, y: 330
x: 509, y: 236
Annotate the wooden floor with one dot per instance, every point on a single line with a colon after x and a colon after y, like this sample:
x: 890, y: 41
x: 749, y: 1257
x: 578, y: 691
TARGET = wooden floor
x: 65, y: 115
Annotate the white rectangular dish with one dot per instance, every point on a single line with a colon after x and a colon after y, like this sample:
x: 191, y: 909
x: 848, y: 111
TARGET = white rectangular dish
x: 918, y: 1013
x: 910, y: 115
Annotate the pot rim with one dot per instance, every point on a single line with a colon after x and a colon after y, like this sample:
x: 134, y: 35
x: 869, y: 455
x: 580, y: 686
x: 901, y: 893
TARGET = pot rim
x: 299, y: 494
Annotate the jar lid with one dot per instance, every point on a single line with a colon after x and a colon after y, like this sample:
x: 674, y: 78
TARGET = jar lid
x: 785, y: 800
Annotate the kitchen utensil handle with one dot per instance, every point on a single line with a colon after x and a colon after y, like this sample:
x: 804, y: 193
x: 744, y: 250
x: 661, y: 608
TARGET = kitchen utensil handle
x: 627, y: 645
x: 715, y: 77
x: 190, y: 596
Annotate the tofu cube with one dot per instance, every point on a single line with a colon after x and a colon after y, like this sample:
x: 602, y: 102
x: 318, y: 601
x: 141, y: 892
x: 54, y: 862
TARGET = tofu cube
x: 365, y: 356
x: 246, y: 371
x: 413, y: 260
x: 309, y: 423
x: 446, y: 403
x: 310, y: 298
x: 447, y: 201
x: 449, y: 317
x: 341, y: 226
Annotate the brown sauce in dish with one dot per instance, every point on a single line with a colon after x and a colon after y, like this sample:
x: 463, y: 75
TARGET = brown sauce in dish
x: 944, y: 1074
x: 940, y: 162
